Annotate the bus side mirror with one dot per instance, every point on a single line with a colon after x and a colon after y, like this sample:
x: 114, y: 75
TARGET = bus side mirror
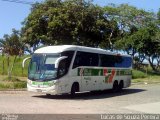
x: 58, y: 61
x: 25, y: 61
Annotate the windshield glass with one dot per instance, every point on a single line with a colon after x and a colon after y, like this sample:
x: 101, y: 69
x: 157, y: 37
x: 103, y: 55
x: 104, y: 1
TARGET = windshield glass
x: 42, y: 67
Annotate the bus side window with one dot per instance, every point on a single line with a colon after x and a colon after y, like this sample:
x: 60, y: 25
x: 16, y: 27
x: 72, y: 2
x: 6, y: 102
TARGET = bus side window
x: 77, y: 61
x: 107, y: 60
x: 123, y: 61
x: 115, y: 61
x: 86, y: 59
x: 94, y: 59
x: 69, y: 55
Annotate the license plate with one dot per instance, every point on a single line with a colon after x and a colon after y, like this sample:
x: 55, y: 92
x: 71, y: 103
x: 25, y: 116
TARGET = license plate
x: 39, y: 90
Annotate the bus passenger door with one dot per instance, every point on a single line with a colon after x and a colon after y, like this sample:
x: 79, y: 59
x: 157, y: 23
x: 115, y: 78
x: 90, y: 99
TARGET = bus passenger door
x: 86, y: 79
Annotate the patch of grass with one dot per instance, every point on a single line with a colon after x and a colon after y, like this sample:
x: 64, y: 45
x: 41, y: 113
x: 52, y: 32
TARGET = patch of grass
x: 138, y: 74
x: 145, y: 77
x: 4, y: 86
x: 11, y: 79
x: 12, y: 83
x: 21, y: 84
x: 137, y: 80
x: 148, y: 80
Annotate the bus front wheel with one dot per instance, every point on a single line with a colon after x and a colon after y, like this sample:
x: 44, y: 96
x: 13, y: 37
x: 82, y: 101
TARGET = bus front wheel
x: 48, y: 95
x: 74, y: 89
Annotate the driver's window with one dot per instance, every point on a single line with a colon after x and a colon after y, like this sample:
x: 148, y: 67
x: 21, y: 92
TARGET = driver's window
x: 62, y: 68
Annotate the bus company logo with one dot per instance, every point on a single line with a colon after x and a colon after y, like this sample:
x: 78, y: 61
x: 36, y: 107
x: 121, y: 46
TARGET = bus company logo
x: 87, y: 72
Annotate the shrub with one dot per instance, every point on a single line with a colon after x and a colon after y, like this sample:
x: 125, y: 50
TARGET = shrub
x: 138, y: 74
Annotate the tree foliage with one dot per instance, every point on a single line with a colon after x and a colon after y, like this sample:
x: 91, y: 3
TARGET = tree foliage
x: 11, y: 44
x: 67, y: 22
x: 139, y: 32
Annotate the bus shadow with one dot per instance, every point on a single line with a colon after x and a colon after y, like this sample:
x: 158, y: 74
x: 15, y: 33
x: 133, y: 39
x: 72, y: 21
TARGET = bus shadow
x: 92, y: 95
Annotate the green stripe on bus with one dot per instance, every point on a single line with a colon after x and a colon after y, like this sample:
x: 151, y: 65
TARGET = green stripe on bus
x: 41, y: 83
x: 100, y: 72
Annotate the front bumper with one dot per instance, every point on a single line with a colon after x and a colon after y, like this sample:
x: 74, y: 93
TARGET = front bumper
x: 53, y: 90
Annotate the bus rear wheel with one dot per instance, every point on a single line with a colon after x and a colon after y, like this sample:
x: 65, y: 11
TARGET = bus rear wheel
x: 115, y: 86
x: 120, y: 86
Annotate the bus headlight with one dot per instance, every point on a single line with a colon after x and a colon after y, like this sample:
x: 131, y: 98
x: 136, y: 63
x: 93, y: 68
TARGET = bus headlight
x: 29, y: 82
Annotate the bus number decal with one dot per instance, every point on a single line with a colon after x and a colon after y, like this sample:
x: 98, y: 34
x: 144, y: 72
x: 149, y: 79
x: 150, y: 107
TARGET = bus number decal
x: 111, y: 76
x: 105, y: 71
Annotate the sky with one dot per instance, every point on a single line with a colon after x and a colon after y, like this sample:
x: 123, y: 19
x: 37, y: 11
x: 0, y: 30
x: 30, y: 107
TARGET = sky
x: 13, y: 14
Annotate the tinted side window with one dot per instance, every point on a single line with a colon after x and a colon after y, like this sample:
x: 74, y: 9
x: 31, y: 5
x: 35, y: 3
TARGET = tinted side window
x: 115, y: 61
x: 69, y: 55
x: 62, y: 68
x: 65, y: 63
x: 125, y: 62
x: 107, y: 60
x: 85, y: 59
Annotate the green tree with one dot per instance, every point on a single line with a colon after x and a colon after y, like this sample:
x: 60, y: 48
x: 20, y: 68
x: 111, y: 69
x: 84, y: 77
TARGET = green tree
x: 77, y: 22
x: 128, y: 18
x: 158, y: 14
x: 12, y: 45
x: 139, y: 32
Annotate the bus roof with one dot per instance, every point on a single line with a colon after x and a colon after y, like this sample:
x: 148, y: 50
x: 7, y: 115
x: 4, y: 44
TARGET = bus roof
x: 61, y: 48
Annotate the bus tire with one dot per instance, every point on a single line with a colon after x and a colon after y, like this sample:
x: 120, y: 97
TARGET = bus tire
x: 121, y: 85
x: 115, y: 86
x: 74, y: 89
x: 48, y: 95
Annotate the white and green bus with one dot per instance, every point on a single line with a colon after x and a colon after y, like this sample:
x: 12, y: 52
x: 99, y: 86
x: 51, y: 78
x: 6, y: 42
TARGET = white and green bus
x: 70, y: 69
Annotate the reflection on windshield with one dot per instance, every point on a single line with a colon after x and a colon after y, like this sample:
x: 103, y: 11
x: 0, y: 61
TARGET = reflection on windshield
x: 42, y: 67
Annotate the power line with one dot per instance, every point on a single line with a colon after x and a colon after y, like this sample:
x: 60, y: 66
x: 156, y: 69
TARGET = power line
x: 19, y: 1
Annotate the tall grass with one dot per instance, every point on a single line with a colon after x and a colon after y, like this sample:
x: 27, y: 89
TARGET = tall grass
x: 17, y: 68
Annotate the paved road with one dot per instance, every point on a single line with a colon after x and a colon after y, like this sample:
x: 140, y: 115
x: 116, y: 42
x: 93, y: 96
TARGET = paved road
x: 136, y: 99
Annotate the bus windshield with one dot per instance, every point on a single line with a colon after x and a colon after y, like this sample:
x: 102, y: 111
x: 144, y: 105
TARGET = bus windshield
x: 42, y: 67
